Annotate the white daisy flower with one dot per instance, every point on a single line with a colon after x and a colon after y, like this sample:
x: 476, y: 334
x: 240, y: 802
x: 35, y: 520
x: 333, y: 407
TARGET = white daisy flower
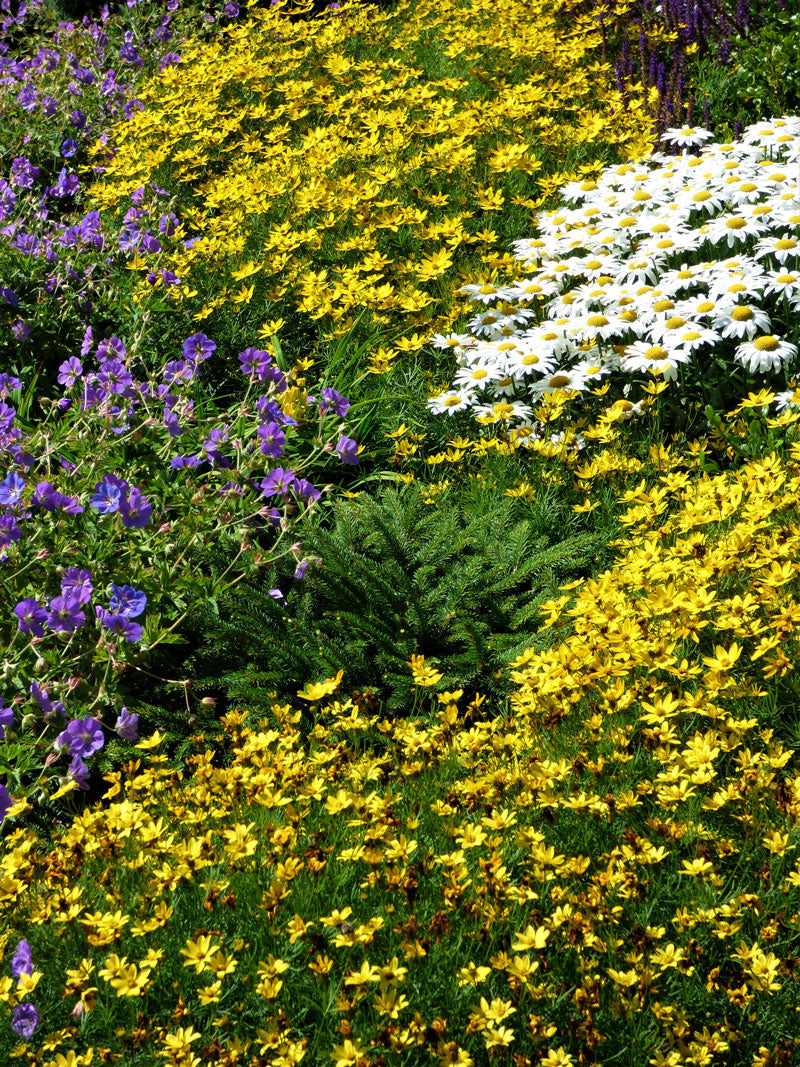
x: 522, y: 362
x: 568, y: 379
x: 503, y: 411
x: 782, y: 282
x: 734, y: 229
x: 477, y: 376
x: 449, y: 403
x: 781, y: 246
x: 695, y: 336
x: 652, y: 358
x: 455, y: 342
x: 765, y: 353
x: 788, y: 399
x: 686, y: 136
x: 704, y: 201
x: 742, y: 320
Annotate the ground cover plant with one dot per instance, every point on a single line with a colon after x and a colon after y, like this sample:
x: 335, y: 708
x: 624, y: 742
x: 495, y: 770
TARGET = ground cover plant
x: 510, y: 775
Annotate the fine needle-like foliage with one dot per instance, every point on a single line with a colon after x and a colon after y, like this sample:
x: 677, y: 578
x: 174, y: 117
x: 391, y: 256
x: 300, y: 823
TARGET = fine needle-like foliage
x: 395, y: 579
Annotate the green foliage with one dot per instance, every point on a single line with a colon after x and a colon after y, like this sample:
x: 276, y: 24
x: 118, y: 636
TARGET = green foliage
x: 395, y: 578
x: 761, y: 77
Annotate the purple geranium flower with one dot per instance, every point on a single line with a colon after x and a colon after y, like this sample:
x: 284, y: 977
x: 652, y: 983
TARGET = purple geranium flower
x: 22, y: 960
x: 108, y: 494
x: 135, y: 510
x: 348, y: 450
x: 9, y: 530
x: 25, y: 1020
x: 82, y: 737
x: 6, y: 719
x: 31, y: 616
x: 119, y: 624
x: 65, y: 615
x: 5, y: 802
x: 197, y: 347
x: 127, y: 725
x: 272, y: 439
x: 305, y: 490
x: 69, y: 147
x: 333, y: 401
x: 69, y: 372
x: 277, y: 482
x: 127, y: 601
x: 79, y: 772
x: 255, y: 363
x: 77, y: 584
x: 11, y: 489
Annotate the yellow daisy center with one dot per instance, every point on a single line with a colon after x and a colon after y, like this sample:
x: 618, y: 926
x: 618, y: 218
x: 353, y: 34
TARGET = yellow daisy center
x: 767, y: 343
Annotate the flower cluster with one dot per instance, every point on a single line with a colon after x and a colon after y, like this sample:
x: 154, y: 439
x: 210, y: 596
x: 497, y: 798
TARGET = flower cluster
x: 314, y: 174
x: 62, y: 85
x: 666, y: 267
x: 105, y: 509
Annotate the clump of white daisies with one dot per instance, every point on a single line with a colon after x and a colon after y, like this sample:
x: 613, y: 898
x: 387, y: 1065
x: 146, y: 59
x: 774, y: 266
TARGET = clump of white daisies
x: 648, y: 269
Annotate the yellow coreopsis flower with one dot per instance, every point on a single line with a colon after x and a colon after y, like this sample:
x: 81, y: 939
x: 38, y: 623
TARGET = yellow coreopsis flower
x: 423, y: 674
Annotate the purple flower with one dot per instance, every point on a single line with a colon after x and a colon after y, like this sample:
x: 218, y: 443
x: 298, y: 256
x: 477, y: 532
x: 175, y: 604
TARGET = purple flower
x: 9, y: 530
x: 77, y: 584
x: 127, y: 725
x: 276, y: 594
x: 333, y: 401
x: 305, y: 490
x: 127, y: 601
x: 348, y: 450
x: 272, y: 439
x: 79, y: 772
x: 108, y: 494
x: 197, y: 347
x: 7, y: 383
x: 119, y: 624
x: 69, y: 147
x: 6, y: 719
x: 270, y: 409
x: 277, y: 482
x: 21, y: 330
x: 82, y: 737
x: 69, y: 372
x: 66, y: 184
x: 9, y: 297
x: 86, y: 345
x: 231, y: 9
x: 11, y: 489
x: 255, y: 363
x: 5, y: 802
x: 136, y: 510
x: 300, y: 570
x: 22, y: 960
x: 25, y: 1020
x: 31, y: 616
x: 65, y: 615
x: 179, y: 463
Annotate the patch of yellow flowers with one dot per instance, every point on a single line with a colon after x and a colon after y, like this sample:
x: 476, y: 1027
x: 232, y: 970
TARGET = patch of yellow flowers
x: 357, y: 163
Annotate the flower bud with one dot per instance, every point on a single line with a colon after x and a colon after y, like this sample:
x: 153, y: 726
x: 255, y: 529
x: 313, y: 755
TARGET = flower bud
x: 208, y: 702
x: 165, y: 527
x: 39, y: 665
x: 42, y: 554
x: 29, y: 721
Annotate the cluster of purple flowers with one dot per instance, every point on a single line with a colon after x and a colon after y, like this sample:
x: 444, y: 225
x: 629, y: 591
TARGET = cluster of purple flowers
x: 25, y: 1018
x: 65, y: 613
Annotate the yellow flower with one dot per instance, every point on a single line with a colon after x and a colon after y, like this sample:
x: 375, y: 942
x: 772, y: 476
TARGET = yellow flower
x: 348, y: 1053
x: 199, y: 953
x: 317, y: 690
x: 423, y: 675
